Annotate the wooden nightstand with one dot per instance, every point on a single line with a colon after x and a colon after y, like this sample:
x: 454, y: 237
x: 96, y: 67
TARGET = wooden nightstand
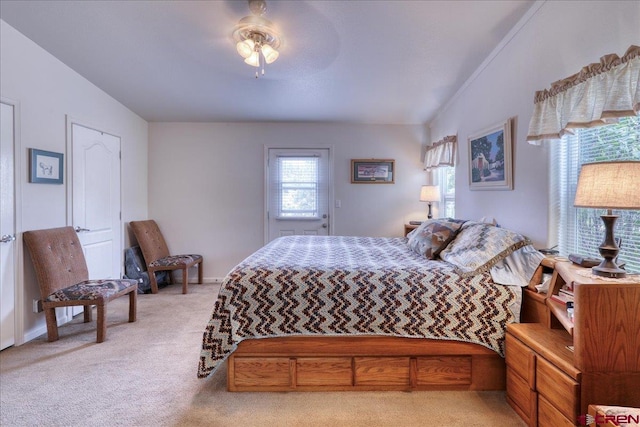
x: 408, y: 228
x: 556, y: 368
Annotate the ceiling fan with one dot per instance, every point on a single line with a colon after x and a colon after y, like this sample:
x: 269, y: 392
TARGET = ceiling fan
x: 257, y: 40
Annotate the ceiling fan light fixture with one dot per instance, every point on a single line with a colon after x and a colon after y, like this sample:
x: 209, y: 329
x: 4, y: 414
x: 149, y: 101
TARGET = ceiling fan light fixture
x: 256, y: 37
x: 270, y: 54
x: 245, y: 48
x: 253, y: 59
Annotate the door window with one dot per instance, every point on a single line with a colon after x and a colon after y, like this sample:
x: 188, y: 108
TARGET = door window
x: 298, y: 187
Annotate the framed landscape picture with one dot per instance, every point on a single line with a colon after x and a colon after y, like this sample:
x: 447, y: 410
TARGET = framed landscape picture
x: 372, y: 171
x: 490, y: 159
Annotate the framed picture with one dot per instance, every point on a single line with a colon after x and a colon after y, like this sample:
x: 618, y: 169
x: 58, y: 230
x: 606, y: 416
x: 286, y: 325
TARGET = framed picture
x: 45, y: 167
x: 490, y: 160
x: 372, y: 171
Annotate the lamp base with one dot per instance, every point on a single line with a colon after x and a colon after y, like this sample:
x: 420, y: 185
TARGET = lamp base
x: 609, y: 251
x: 610, y: 272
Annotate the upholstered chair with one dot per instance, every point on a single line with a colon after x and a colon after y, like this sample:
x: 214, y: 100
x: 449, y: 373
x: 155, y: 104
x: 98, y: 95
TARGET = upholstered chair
x: 63, y: 277
x: 157, y: 256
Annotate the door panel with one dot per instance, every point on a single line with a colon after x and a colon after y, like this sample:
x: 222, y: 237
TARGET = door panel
x: 7, y: 228
x: 297, y: 192
x: 96, y: 200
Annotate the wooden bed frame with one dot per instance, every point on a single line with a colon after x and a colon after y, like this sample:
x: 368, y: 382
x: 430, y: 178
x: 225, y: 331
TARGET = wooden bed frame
x: 365, y: 363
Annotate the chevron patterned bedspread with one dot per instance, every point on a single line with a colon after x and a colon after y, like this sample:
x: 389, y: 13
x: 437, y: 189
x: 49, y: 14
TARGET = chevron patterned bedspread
x: 337, y: 285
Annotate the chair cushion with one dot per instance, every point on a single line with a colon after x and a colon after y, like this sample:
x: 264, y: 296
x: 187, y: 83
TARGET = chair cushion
x: 174, y: 260
x: 90, y: 290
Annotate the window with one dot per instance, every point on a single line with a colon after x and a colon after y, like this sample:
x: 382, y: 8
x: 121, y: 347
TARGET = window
x: 447, y: 183
x: 581, y: 230
x: 298, y: 187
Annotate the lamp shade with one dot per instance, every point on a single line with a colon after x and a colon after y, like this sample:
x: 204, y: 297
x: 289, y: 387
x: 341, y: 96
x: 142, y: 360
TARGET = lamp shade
x: 253, y: 59
x: 430, y: 193
x: 245, y: 48
x: 609, y: 185
x: 270, y: 54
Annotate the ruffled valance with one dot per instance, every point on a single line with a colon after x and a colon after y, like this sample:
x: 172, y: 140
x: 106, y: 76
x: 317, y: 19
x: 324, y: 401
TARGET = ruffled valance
x: 599, y: 94
x: 441, y: 153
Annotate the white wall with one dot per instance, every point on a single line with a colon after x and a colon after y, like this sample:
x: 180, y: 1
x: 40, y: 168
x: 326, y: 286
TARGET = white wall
x: 47, y: 91
x: 207, y: 182
x: 561, y: 38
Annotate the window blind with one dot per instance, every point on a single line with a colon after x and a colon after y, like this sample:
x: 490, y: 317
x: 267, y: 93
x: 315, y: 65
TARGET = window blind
x: 298, y: 187
x: 581, y: 230
x: 447, y: 183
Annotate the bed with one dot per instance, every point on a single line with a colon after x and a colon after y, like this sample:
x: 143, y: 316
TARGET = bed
x: 429, y: 311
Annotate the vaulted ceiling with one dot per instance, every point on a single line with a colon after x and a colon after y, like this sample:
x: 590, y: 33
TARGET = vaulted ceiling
x: 391, y: 62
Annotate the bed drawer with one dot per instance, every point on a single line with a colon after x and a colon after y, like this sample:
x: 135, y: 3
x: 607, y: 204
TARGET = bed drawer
x: 443, y: 370
x: 262, y: 371
x: 374, y: 371
x: 324, y: 371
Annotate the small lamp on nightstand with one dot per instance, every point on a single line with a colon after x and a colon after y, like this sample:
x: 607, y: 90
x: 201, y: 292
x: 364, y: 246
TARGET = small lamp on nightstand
x: 430, y: 194
x: 609, y: 185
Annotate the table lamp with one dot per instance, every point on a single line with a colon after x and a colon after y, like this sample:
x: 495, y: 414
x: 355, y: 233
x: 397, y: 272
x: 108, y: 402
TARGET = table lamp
x: 430, y: 194
x: 609, y: 185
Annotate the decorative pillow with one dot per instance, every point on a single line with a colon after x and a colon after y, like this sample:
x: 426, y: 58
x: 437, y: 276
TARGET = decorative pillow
x: 433, y: 236
x: 479, y: 246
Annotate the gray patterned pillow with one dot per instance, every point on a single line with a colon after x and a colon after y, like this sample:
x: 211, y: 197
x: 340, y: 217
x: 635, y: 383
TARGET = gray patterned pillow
x: 433, y: 236
x: 479, y: 246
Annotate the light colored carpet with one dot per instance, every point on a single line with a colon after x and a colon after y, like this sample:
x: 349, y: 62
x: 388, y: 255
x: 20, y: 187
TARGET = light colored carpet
x: 144, y: 374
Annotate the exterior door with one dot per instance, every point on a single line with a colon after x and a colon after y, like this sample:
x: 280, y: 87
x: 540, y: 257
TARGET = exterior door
x: 297, y: 192
x: 7, y: 228
x: 96, y: 199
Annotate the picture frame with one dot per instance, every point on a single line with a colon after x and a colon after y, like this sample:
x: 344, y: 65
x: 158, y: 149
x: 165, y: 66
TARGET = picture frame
x: 45, y: 167
x: 490, y: 158
x: 372, y: 171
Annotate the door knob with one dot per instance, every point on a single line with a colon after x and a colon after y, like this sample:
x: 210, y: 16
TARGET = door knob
x: 324, y: 225
x: 79, y: 229
x: 7, y: 238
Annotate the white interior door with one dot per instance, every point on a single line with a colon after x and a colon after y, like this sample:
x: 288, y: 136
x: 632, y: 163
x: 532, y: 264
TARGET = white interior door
x: 96, y: 199
x: 297, y: 192
x: 7, y: 228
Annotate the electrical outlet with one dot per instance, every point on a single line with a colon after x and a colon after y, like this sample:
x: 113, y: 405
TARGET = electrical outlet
x: 37, y: 306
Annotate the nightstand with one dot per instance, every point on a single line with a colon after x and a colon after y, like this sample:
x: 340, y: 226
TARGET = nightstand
x: 557, y: 367
x: 408, y: 228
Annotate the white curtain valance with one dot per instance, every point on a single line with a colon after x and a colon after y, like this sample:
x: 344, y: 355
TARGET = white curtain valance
x: 599, y: 94
x: 441, y: 153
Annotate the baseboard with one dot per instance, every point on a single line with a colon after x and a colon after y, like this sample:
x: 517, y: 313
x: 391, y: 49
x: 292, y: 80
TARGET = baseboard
x: 34, y: 333
x: 194, y: 280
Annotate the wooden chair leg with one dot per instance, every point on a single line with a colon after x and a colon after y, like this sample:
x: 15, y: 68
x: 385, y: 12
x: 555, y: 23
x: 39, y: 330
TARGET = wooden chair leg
x: 200, y: 274
x: 88, y: 314
x: 153, y: 282
x: 102, y: 324
x: 185, y: 277
x: 133, y: 298
x: 52, y: 323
